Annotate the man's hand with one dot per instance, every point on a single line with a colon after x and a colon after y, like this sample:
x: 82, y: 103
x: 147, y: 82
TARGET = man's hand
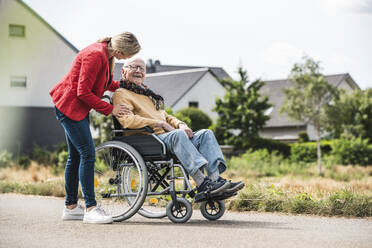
x: 165, y: 126
x: 120, y: 110
x: 187, y: 130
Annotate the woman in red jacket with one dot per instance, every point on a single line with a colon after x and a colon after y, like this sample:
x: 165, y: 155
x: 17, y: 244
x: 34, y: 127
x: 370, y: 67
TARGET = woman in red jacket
x: 74, y: 96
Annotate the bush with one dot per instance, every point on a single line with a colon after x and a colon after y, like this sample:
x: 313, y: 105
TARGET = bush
x: 355, y: 151
x: 303, y: 137
x: 62, y: 159
x: 41, y: 155
x: 199, y: 119
x: 24, y: 161
x: 270, y: 145
x: 179, y: 116
x: 5, y: 158
x: 264, y: 163
x: 307, y: 152
x: 60, y: 147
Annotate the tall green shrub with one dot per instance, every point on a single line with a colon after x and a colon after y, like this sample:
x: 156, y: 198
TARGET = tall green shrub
x: 350, y: 115
x: 5, y: 158
x: 270, y: 145
x: 303, y: 137
x: 198, y: 119
x: 307, y: 151
x: 41, y: 155
x: 355, y: 151
x: 179, y: 116
x: 24, y: 161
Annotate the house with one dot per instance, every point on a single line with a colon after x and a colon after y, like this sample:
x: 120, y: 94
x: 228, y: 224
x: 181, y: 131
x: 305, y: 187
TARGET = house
x: 280, y: 126
x: 155, y: 67
x: 184, y: 86
x: 33, y: 58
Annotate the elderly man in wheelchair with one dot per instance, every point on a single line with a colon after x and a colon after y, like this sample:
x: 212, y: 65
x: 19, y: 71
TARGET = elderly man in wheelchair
x: 162, y: 143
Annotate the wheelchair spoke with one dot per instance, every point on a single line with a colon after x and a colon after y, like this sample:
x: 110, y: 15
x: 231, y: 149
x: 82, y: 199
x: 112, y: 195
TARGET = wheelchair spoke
x: 179, y: 213
x: 112, y: 158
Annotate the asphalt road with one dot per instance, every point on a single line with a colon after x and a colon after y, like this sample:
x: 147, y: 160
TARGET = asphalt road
x: 32, y: 221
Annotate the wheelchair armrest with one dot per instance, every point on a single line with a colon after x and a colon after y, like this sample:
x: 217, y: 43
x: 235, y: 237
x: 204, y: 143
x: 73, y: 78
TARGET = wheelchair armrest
x: 131, y: 131
x: 137, y: 130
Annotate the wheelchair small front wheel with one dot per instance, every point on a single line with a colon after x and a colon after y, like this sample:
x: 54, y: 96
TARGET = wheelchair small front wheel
x: 212, y: 209
x: 181, y: 215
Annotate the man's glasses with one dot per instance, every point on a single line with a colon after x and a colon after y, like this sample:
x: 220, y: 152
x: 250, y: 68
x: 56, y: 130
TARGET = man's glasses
x: 135, y: 68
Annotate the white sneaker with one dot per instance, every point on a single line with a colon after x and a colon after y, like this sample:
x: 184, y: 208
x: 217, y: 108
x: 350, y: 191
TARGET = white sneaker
x: 97, y: 216
x: 76, y: 213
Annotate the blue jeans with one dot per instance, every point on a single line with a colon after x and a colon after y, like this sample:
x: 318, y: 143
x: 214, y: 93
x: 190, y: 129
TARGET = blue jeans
x: 201, y: 150
x: 80, y: 162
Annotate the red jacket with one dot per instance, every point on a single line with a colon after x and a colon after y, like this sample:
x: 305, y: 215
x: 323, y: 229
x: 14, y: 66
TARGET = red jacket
x: 83, y: 86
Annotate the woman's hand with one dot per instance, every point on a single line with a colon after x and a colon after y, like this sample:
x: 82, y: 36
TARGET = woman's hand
x: 165, y: 126
x: 187, y: 130
x: 120, y: 110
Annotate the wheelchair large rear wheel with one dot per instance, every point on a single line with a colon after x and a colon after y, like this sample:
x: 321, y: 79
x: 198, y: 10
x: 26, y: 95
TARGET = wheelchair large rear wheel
x: 112, y: 159
x: 154, y: 206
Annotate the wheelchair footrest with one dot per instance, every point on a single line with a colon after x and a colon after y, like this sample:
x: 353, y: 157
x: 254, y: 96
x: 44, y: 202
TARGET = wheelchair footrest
x: 224, y: 196
x: 200, y: 197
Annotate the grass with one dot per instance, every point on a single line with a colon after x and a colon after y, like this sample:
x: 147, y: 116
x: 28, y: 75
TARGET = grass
x: 271, y: 199
x: 49, y: 188
x: 35, y: 180
x: 274, y: 184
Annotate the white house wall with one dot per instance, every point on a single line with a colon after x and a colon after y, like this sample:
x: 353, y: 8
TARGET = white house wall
x: 282, y: 133
x: 345, y: 86
x: 42, y: 56
x: 204, y: 92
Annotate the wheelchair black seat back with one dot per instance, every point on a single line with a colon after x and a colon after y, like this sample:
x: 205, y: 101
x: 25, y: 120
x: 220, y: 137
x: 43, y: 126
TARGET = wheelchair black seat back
x: 134, y: 172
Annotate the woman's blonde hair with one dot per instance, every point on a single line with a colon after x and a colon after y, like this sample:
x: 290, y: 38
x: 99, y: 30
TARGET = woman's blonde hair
x: 126, y: 43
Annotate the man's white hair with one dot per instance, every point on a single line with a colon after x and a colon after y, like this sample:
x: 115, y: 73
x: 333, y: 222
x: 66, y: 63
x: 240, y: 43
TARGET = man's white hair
x: 128, y: 61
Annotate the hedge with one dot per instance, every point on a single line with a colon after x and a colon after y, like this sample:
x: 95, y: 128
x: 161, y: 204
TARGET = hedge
x: 356, y: 151
x: 307, y: 151
x: 271, y: 145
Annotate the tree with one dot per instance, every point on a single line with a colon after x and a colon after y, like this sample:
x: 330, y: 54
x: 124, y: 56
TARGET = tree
x: 241, y: 111
x: 307, y: 97
x: 198, y: 119
x: 350, y: 115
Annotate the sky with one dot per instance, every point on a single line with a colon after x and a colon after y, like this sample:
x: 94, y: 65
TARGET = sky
x: 264, y: 37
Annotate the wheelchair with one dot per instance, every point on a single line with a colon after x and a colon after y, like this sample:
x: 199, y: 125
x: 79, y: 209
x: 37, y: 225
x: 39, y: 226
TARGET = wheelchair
x: 134, y: 172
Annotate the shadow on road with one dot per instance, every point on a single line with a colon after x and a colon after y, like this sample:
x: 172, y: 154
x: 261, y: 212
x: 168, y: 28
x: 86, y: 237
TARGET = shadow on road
x: 216, y: 224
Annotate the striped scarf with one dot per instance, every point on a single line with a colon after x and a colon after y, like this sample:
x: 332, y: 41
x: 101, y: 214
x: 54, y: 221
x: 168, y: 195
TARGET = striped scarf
x: 158, y: 100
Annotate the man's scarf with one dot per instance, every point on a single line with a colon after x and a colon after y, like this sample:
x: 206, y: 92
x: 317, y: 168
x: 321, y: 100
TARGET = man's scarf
x: 158, y: 100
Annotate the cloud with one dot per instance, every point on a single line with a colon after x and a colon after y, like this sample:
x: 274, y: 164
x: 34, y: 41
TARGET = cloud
x: 357, y: 6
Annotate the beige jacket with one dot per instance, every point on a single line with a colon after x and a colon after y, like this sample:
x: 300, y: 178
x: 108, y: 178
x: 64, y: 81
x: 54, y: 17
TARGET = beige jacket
x: 143, y: 111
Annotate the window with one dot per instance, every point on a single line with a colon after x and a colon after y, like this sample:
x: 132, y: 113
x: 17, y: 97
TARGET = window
x: 17, y: 30
x: 194, y: 104
x: 268, y: 111
x: 18, y: 82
